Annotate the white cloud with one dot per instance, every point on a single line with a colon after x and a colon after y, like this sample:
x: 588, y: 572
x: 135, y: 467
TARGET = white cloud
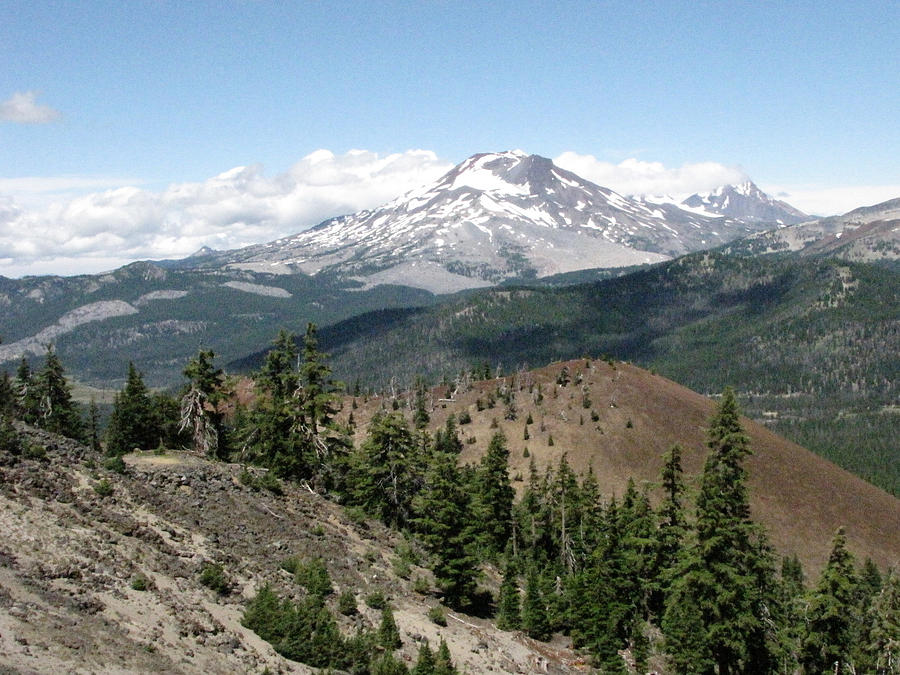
x: 242, y: 206
x: 833, y: 201
x: 23, y: 108
x: 35, y: 192
x: 638, y: 177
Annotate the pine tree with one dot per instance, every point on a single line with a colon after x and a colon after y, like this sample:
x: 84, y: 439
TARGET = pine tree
x: 425, y: 661
x: 388, y: 633
x: 269, y: 428
x: 318, y: 392
x: 443, y: 664
x: 200, y: 405
x: 93, y: 435
x: 7, y: 394
x: 383, y: 477
x: 714, y: 618
x: 26, y: 396
x: 494, y: 495
x: 509, y: 603
x: 386, y: 664
x: 534, y: 610
x: 9, y: 438
x: 443, y: 519
x: 420, y: 416
x: 832, y: 617
x: 671, y: 527
x: 882, y: 645
x: 132, y: 424
x: 56, y: 412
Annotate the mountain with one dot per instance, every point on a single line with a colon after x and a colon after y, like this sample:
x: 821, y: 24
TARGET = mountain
x: 811, y: 345
x: 158, y: 317
x: 869, y: 233
x: 493, y: 217
x: 747, y: 203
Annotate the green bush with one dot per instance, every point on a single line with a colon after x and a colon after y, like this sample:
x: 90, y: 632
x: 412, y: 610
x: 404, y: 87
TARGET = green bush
x: 213, y: 577
x: 35, y: 451
x: 140, y: 583
x: 313, y: 575
x: 104, y: 488
x: 438, y: 615
x: 347, y: 603
x: 115, y: 464
x: 401, y: 568
x: 376, y: 600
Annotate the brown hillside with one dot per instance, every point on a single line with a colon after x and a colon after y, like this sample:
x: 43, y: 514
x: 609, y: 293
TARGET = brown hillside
x: 800, y: 497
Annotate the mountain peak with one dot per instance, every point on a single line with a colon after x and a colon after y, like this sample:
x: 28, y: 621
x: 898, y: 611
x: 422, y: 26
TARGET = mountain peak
x: 496, y: 216
x: 745, y: 201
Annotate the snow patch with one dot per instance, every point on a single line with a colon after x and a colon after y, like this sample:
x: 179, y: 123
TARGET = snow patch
x: 258, y: 289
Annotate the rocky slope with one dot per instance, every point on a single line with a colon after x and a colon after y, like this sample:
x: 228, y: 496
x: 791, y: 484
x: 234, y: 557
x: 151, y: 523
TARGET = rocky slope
x: 866, y: 234
x: 71, y: 555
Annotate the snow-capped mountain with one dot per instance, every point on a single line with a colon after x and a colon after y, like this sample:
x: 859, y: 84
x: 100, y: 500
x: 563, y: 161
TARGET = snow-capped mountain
x: 747, y: 203
x: 493, y: 217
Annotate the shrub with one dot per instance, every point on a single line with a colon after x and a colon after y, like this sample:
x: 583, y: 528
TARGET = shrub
x: 140, y: 583
x: 421, y: 586
x: 268, y: 482
x: 347, y: 603
x: 313, y: 575
x: 465, y: 417
x: 115, y: 464
x: 438, y: 615
x: 213, y: 577
x: 401, y: 568
x: 104, y: 488
x: 290, y: 564
x: 35, y: 451
x: 376, y: 600
x: 9, y: 437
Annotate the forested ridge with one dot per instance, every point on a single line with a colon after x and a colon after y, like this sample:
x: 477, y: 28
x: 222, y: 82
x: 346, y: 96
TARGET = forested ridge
x: 810, y: 346
x: 675, y: 575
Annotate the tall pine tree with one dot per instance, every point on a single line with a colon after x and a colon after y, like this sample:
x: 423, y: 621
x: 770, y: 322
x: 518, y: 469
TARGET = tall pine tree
x: 56, y: 410
x: 715, y: 613
x: 494, y: 495
x: 132, y: 424
x: 832, y: 618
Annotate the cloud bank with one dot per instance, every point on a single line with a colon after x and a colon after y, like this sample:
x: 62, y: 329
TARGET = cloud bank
x: 242, y: 206
x: 638, y: 177
x: 23, y: 108
x: 831, y: 201
x: 86, y: 230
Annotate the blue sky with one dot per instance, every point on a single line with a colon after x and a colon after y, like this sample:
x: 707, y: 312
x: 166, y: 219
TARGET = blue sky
x: 154, y: 96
